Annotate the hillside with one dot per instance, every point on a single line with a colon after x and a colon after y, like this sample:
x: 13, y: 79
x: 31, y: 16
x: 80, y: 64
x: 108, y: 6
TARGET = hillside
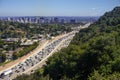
x: 93, y: 54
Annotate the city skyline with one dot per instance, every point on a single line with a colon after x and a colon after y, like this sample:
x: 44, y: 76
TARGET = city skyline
x: 56, y: 8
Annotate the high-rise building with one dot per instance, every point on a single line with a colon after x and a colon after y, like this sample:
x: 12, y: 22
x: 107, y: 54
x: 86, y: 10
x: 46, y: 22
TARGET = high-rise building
x: 56, y: 20
x: 72, y: 21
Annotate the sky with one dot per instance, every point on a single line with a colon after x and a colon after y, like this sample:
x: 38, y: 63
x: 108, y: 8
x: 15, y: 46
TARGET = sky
x: 56, y: 7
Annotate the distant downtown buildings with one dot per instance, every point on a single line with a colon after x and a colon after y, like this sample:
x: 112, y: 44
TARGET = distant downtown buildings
x: 49, y: 19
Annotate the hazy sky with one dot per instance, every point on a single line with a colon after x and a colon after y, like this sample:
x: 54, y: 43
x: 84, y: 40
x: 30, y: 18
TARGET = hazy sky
x: 56, y: 7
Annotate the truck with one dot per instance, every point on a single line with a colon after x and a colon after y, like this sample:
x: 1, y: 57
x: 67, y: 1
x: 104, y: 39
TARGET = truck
x: 5, y: 73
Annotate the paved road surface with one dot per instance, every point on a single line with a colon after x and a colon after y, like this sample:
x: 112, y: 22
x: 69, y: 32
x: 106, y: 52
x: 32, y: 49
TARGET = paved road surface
x: 39, y: 56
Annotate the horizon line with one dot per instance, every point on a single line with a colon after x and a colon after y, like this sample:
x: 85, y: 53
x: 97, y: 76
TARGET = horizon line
x: 49, y: 16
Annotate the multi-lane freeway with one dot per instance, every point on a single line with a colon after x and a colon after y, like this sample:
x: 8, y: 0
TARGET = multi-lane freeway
x: 38, y: 59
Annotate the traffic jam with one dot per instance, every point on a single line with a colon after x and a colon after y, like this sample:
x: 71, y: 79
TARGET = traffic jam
x: 31, y: 61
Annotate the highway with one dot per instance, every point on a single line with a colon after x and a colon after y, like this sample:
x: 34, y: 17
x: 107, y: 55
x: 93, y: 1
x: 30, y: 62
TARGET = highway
x: 38, y: 59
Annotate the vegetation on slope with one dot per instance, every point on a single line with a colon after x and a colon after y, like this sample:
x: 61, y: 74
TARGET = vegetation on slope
x: 25, y: 51
x: 93, y: 54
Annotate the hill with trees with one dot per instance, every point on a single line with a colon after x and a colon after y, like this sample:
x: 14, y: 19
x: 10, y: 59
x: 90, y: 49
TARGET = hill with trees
x: 93, y: 54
